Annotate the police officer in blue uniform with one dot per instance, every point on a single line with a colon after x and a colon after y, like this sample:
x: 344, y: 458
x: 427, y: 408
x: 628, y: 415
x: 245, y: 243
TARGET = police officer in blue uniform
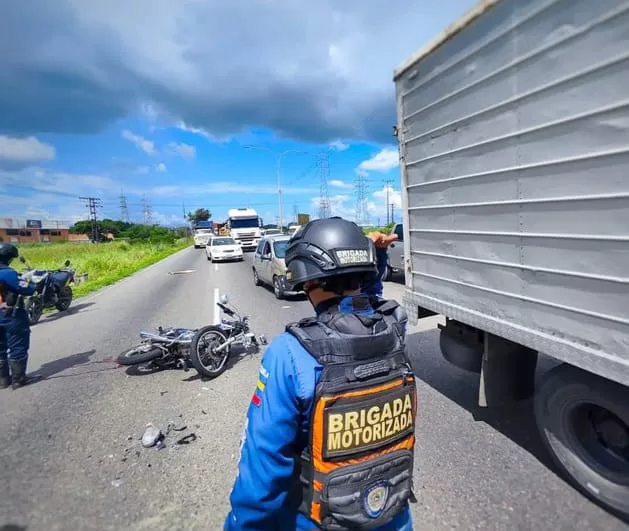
x: 283, y: 473
x: 14, y: 325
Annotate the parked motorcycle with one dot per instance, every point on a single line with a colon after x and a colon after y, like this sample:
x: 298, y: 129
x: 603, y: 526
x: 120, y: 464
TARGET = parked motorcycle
x: 53, y: 290
x: 169, y: 347
x: 212, y: 345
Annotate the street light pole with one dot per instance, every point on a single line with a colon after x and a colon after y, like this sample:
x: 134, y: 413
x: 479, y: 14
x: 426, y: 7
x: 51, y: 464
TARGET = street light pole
x: 278, y: 170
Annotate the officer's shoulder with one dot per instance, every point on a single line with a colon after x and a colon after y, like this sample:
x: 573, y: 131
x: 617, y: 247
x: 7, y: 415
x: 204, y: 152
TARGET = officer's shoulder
x: 285, y: 348
x: 8, y: 272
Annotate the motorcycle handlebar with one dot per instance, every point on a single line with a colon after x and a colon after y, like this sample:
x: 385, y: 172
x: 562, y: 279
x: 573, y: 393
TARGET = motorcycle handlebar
x: 226, y: 309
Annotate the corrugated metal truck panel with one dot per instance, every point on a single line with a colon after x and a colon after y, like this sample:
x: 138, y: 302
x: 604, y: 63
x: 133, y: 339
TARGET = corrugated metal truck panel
x: 514, y: 139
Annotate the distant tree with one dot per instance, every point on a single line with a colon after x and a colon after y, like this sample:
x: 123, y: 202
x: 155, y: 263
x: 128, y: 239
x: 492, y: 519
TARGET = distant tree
x: 200, y: 214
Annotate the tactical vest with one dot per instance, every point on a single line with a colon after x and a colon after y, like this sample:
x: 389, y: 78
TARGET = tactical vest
x: 357, y: 467
x: 8, y: 298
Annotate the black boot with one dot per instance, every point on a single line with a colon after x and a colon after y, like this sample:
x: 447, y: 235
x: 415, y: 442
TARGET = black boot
x: 5, y: 377
x: 18, y: 374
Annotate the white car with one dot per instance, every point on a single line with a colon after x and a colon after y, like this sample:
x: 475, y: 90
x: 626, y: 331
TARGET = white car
x: 222, y: 248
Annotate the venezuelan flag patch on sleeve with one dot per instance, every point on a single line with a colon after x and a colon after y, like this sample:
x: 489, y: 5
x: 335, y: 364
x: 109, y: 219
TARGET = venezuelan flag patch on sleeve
x: 263, y: 376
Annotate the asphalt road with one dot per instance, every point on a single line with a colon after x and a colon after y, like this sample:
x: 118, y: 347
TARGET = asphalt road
x: 70, y: 457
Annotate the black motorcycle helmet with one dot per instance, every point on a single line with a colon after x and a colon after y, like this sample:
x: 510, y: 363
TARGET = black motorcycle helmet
x: 8, y: 252
x: 327, y: 250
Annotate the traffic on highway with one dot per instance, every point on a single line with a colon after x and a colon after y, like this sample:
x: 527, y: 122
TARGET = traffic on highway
x: 98, y: 475
x: 187, y: 366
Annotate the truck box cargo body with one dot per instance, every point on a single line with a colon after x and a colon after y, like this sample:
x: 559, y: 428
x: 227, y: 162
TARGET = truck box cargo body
x: 513, y: 129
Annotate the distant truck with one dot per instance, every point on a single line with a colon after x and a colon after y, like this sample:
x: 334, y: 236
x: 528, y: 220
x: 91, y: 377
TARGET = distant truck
x: 244, y: 226
x: 513, y: 130
x: 293, y: 228
x: 202, y: 237
x: 203, y: 231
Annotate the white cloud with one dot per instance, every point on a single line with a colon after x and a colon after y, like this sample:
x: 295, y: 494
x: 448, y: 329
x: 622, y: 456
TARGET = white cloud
x: 21, y: 152
x: 337, y: 183
x: 142, y: 170
x: 337, y: 145
x: 185, y: 151
x: 148, y: 146
x: 202, y: 132
x: 161, y: 167
x: 383, y: 161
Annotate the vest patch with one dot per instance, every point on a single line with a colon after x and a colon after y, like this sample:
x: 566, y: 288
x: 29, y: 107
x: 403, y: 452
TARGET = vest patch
x: 351, y: 429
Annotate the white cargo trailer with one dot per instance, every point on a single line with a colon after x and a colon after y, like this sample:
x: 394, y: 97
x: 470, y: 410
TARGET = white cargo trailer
x: 513, y: 128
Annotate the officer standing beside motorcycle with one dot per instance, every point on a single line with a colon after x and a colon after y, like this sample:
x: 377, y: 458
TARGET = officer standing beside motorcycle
x: 14, y: 325
x: 329, y: 436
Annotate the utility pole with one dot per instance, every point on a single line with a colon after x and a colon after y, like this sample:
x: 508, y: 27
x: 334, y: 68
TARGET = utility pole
x: 387, y: 184
x: 124, y: 209
x: 92, y: 204
x: 146, y: 210
x: 392, y: 218
x: 185, y: 221
x: 278, y: 172
x: 361, y: 199
x: 323, y: 163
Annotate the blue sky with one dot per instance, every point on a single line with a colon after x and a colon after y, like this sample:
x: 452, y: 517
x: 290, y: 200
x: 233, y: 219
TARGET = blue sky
x: 160, y: 99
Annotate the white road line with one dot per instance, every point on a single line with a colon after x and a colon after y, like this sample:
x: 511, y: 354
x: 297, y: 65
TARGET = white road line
x: 215, y: 267
x: 217, y: 310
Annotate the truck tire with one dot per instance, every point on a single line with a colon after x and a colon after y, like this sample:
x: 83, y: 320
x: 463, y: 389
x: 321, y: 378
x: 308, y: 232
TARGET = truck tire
x: 584, y: 422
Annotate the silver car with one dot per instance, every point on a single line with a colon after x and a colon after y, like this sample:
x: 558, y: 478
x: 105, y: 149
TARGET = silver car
x: 269, y: 266
x: 395, y: 263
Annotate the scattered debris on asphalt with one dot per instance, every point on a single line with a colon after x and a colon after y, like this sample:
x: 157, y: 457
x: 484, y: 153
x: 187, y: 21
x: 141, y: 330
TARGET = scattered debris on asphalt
x: 154, y: 436
x: 187, y: 439
x: 151, y: 436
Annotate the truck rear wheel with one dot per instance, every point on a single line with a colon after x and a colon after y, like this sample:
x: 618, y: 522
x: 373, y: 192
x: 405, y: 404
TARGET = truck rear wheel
x: 584, y: 422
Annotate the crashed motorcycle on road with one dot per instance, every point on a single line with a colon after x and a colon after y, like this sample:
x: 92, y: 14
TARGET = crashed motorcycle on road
x: 212, y: 345
x: 169, y: 347
x: 53, y: 290
x: 207, y: 348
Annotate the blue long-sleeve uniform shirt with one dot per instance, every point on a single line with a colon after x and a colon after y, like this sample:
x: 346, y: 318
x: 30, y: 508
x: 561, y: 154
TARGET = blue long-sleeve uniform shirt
x: 14, y: 282
x: 277, y: 428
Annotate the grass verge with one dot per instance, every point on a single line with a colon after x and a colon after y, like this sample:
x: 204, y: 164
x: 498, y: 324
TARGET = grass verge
x: 105, y: 263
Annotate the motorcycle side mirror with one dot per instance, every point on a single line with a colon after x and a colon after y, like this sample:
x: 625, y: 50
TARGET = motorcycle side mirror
x: 224, y: 299
x: 66, y: 263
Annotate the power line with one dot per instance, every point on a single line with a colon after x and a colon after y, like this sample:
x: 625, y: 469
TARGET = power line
x: 362, y: 216
x: 93, y: 203
x: 323, y: 163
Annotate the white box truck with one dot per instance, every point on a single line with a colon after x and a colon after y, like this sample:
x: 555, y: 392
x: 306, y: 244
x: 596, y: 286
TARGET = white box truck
x: 245, y: 227
x: 513, y: 130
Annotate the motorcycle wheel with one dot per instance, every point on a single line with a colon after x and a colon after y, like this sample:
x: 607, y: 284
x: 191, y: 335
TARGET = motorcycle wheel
x: 65, y: 299
x: 202, y: 355
x: 34, y: 308
x: 139, y: 354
